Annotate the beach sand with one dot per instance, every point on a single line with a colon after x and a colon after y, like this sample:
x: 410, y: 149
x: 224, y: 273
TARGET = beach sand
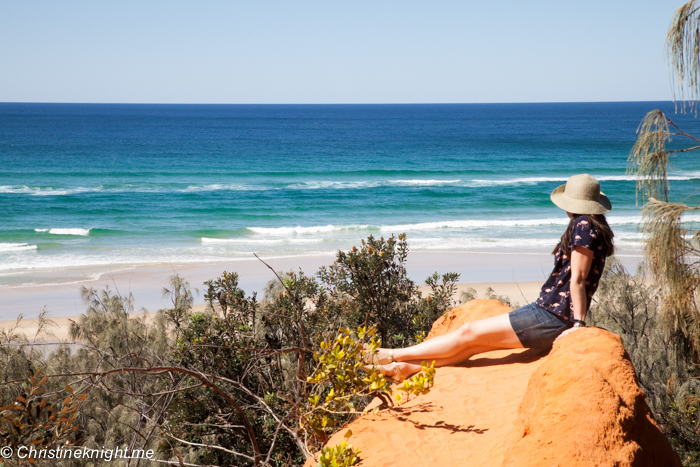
x: 518, y: 275
x: 61, y: 330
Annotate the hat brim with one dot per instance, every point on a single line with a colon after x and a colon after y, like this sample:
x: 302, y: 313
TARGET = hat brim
x: 577, y: 206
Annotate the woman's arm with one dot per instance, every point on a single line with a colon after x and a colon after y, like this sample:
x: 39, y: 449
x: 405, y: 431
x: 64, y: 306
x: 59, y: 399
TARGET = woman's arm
x: 581, y: 259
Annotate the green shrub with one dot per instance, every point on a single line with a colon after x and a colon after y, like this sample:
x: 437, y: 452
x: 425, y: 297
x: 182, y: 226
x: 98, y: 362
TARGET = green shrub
x: 341, y: 455
x: 243, y: 382
x: 489, y: 294
x: 373, y: 283
x: 468, y: 294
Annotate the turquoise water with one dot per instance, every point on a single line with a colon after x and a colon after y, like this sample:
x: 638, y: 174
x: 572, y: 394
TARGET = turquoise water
x: 87, y: 187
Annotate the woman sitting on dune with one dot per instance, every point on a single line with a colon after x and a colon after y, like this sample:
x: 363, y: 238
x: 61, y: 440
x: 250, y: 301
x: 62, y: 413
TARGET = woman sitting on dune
x: 561, y: 308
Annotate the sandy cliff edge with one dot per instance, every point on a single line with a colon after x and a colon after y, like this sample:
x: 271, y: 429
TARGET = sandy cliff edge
x: 578, y: 405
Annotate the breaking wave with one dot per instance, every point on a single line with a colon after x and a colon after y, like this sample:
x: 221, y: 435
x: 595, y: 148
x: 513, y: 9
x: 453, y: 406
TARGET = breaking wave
x: 79, y: 232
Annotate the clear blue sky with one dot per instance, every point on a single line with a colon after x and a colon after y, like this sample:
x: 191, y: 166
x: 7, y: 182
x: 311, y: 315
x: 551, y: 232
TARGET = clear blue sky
x: 327, y: 51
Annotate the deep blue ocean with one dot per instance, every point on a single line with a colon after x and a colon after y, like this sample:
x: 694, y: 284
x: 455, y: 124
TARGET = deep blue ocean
x: 83, y: 187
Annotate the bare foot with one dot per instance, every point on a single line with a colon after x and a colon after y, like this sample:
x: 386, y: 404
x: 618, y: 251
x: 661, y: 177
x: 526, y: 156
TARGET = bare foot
x: 381, y: 357
x: 397, y: 372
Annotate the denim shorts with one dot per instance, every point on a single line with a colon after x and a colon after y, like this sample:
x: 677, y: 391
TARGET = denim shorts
x: 536, y: 327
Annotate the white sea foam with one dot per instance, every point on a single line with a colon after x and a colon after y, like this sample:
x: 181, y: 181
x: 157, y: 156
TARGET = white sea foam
x: 127, y: 188
x: 563, y: 179
x: 223, y: 187
x: 502, y: 223
x: 423, y: 182
x: 142, y: 256
x: 47, y: 191
x: 80, y: 232
x: 343, y: 185
x: 12, y: 247
x: 317, y: 184
x: 14, y: 189
x: 212, y: 250
x: 427, y: 226
x: 471, y: 224
x: 462, y: 243
x: 624, y: 220
x: 87, y: 278
x: 477, y: 182
x: 298, y: 230
x: 65, y: 191
x: 334, y: 185
x: 514, y: 181
x: 671, y: 176
x: 260, y: 241
x: 314, y: 185
x: 61, y: 262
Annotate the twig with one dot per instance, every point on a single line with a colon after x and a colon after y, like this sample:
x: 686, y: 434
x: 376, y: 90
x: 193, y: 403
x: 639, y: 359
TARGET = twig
x: 521, y: 291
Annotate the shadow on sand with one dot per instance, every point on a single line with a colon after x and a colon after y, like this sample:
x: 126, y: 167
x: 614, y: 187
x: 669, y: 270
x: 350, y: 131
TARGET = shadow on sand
x: 527, y: 356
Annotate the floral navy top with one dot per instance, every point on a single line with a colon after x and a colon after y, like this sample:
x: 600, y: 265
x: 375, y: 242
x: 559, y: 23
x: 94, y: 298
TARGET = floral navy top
x: 555, y: 296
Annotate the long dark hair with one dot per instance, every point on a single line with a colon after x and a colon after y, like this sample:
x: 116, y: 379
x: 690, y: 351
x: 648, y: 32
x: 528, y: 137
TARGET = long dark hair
x: 600, y: 224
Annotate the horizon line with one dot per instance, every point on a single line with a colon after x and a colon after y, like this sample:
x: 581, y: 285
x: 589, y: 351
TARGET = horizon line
x: 338, y: 103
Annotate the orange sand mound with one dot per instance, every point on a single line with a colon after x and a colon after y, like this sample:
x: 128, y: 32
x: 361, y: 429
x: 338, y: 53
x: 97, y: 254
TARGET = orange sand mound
x: 579, y: 405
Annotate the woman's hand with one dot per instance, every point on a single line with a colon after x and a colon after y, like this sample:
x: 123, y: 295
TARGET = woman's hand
x: 565, y: 333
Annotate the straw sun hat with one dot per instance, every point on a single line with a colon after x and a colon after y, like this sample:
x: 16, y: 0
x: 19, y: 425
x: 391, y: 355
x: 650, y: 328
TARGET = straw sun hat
x: 581, y: 195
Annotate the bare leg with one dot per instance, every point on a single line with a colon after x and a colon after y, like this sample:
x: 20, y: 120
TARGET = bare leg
x: 495, y: 332
x: 411, y: 367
